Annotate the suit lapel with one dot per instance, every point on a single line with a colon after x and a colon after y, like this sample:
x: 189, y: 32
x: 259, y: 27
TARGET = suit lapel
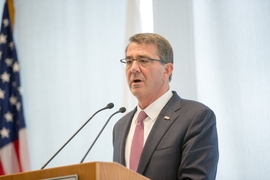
x: 159, y: 129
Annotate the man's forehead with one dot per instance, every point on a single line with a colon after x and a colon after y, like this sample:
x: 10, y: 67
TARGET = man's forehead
x: 141, y: 49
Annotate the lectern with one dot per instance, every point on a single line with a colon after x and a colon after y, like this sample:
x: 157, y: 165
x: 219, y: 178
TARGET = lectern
x: 83, y: 171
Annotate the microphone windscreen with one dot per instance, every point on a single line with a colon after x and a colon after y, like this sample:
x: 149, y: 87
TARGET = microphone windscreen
x: 122, y: 109
x: 110, y: 105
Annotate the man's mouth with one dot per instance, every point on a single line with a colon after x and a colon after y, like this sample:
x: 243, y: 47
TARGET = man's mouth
x: 137, y: 80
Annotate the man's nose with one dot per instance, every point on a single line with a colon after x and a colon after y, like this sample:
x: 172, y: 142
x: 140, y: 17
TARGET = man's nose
x: 135, y: 67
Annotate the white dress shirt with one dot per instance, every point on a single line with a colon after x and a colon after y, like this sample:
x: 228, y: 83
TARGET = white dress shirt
x: 152, y: 112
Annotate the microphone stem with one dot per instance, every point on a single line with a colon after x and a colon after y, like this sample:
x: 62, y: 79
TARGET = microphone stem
x: 98, y: 135
x: 73, y: 136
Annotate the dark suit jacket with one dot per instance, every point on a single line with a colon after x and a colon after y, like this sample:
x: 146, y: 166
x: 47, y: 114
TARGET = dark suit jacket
x: 183, y: 147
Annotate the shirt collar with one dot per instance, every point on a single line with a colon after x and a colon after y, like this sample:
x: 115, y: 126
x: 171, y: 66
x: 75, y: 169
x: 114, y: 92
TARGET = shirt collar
x: 154, y: 109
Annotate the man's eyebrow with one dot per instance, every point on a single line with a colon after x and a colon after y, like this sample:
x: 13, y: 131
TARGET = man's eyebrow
x: 143, y: 56
x: 140, y: 56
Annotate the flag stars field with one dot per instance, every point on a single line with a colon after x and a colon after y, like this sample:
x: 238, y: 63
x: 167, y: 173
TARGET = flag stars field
x: 18, y: 106
x: 11, y: 45
x: 16, y: 67
x: 2, y: 94
x: 4, y: 133
x: 3, y: 39
x: 13, y: 100
x: 8, y: 61
x: 9, y: 117
x: 6, y: 22
x: 5, y: 77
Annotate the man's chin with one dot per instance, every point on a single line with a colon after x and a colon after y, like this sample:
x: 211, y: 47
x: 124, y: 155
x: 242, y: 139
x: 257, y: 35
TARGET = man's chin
x: 136, y: 92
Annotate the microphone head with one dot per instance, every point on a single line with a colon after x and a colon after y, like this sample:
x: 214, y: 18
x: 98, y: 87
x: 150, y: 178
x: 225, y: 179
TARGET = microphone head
x: 110, y: 105
x: 122, y: 110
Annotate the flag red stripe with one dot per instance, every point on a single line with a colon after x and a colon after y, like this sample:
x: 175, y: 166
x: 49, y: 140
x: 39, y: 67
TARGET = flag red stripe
x: 17, y: 150
x: 1, y: 169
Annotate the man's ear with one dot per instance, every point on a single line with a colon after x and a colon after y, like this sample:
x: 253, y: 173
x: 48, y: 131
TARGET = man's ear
x: 168, y: 70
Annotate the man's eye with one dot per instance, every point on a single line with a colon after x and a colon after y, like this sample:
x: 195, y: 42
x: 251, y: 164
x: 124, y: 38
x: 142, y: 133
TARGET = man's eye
x: 129, y: 61
x: 143, y: 60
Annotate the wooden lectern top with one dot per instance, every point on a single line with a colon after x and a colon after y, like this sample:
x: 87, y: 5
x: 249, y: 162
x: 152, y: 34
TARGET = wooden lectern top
x: 85, y: 171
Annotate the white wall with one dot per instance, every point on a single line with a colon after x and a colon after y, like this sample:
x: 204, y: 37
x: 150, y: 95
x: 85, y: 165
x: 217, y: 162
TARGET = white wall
x: 232, y: 49
x: 69, y: 54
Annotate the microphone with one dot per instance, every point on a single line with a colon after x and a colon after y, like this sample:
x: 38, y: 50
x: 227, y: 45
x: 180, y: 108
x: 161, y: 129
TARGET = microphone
x: 109, y: 106
x: 121, y: 110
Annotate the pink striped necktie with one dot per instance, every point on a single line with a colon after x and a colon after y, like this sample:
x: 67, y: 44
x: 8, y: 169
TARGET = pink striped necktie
x: 137, y: 142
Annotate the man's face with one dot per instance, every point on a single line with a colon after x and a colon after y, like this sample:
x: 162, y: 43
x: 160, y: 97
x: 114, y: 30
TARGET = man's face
x: 149, y: 82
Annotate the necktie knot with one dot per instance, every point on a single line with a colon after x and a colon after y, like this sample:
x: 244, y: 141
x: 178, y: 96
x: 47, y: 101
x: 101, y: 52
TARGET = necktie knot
x: 142, y: 115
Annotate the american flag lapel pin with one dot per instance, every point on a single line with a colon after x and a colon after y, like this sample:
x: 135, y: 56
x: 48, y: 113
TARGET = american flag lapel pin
x: 166, y: 117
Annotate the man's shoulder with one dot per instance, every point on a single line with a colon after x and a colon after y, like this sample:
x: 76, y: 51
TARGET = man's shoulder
x: 189, y: 103
x: 194, y: 104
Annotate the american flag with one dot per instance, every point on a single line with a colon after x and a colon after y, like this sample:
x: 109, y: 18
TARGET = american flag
x: 13, y: 145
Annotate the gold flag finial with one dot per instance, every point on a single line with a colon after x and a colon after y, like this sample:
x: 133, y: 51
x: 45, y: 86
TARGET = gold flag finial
x: 11, y: 12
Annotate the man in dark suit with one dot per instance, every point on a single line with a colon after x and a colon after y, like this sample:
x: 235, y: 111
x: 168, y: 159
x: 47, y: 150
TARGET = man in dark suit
x: 177, y: 137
